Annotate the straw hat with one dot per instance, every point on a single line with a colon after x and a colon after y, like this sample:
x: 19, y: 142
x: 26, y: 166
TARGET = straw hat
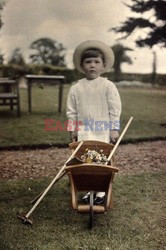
x: 107, y: 52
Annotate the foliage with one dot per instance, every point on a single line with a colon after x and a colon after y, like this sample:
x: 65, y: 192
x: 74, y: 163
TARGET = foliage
x: 47, y: 69
x: 17, y: 57
x: 155, y: 26
x: 1, y: 58
x: 12, y: 70
x: 47, y: 51
x: 2, y: 4
x: 153, y: 79
x: 120, y: 57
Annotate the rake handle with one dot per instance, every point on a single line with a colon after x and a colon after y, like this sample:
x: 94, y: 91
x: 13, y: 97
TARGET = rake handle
x: 53, y: 181
x: 120, y: 138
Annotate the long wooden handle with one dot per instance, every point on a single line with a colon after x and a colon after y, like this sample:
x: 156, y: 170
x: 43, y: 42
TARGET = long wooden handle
x: 120, y: 138
x: 53, y: 181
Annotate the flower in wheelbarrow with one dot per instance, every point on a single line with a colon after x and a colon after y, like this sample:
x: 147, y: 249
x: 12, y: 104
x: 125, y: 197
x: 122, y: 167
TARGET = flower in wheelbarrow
x: 93, y: 156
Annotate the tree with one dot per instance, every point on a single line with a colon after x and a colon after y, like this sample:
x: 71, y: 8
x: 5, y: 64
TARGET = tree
x: 1, y: 59
x: 156, y: 24
x: 2, y: 3
x: 120, y: 57
x: 47, y: 51
x: 153, y: 79
x: 17, y: 57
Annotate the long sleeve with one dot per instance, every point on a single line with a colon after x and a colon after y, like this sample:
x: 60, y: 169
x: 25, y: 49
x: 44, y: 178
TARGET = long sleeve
x: 114, y: 104
x: 71, y: 109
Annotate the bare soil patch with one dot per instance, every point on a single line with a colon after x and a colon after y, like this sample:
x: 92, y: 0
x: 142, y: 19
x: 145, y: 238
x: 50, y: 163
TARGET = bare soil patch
x: 131, y: 158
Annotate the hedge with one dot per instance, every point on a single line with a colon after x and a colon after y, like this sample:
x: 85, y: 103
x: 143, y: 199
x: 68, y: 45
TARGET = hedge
x: 13, y: 71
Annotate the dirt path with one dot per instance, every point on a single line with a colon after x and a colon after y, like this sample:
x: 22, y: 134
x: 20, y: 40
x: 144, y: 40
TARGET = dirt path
x: 130, y: 158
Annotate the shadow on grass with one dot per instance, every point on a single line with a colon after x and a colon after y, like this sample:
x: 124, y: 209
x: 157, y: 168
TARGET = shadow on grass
x: 8, y: 114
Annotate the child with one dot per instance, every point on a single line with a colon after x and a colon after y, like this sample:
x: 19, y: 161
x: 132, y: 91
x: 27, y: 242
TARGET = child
x: 94, y: 101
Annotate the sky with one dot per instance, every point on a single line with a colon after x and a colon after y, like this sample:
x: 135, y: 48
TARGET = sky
x: 71, y: 22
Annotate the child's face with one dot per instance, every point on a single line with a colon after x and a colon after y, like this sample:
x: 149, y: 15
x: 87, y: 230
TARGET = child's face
x: 93, y: 67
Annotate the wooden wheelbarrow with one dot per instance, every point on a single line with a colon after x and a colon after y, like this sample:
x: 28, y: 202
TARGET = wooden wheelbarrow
x: 84, y: 177
x: 91, y: 177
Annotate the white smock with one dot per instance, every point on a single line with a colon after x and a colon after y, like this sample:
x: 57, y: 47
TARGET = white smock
x: 94, y: 103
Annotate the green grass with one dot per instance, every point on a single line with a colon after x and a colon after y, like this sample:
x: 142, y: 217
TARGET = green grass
x: 146, y: 105
x: 29, y: 128
x: 136, y: 221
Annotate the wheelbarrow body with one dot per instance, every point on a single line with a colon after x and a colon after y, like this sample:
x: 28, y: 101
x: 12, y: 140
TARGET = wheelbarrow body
x: 91, y: 177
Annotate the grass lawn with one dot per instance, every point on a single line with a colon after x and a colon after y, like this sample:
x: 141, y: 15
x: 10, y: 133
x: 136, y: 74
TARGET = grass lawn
x: 136, y: 221
x: 146, y: 105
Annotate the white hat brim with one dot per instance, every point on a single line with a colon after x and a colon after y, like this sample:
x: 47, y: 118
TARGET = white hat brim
x: 106, y: 50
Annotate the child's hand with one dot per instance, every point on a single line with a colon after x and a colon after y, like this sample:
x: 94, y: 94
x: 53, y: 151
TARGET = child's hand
x: 73, y: 136
x: 114, y: 135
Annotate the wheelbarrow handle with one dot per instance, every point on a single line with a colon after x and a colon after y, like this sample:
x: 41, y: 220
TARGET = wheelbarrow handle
x: 120, y: 138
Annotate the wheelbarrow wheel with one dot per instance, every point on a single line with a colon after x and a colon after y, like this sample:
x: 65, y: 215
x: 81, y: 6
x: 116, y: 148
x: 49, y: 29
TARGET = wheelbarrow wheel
x: 91, y: 210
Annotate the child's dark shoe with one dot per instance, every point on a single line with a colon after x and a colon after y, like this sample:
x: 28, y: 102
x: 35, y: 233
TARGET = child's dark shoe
x: 86, y: 198
x: 99, y: 200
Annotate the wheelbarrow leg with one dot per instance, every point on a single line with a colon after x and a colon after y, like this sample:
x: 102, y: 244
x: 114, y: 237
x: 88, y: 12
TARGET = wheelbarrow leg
x: 91, y: 210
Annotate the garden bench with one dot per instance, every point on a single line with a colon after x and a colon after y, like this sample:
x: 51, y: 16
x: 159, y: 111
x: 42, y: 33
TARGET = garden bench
x: 9, y: 94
